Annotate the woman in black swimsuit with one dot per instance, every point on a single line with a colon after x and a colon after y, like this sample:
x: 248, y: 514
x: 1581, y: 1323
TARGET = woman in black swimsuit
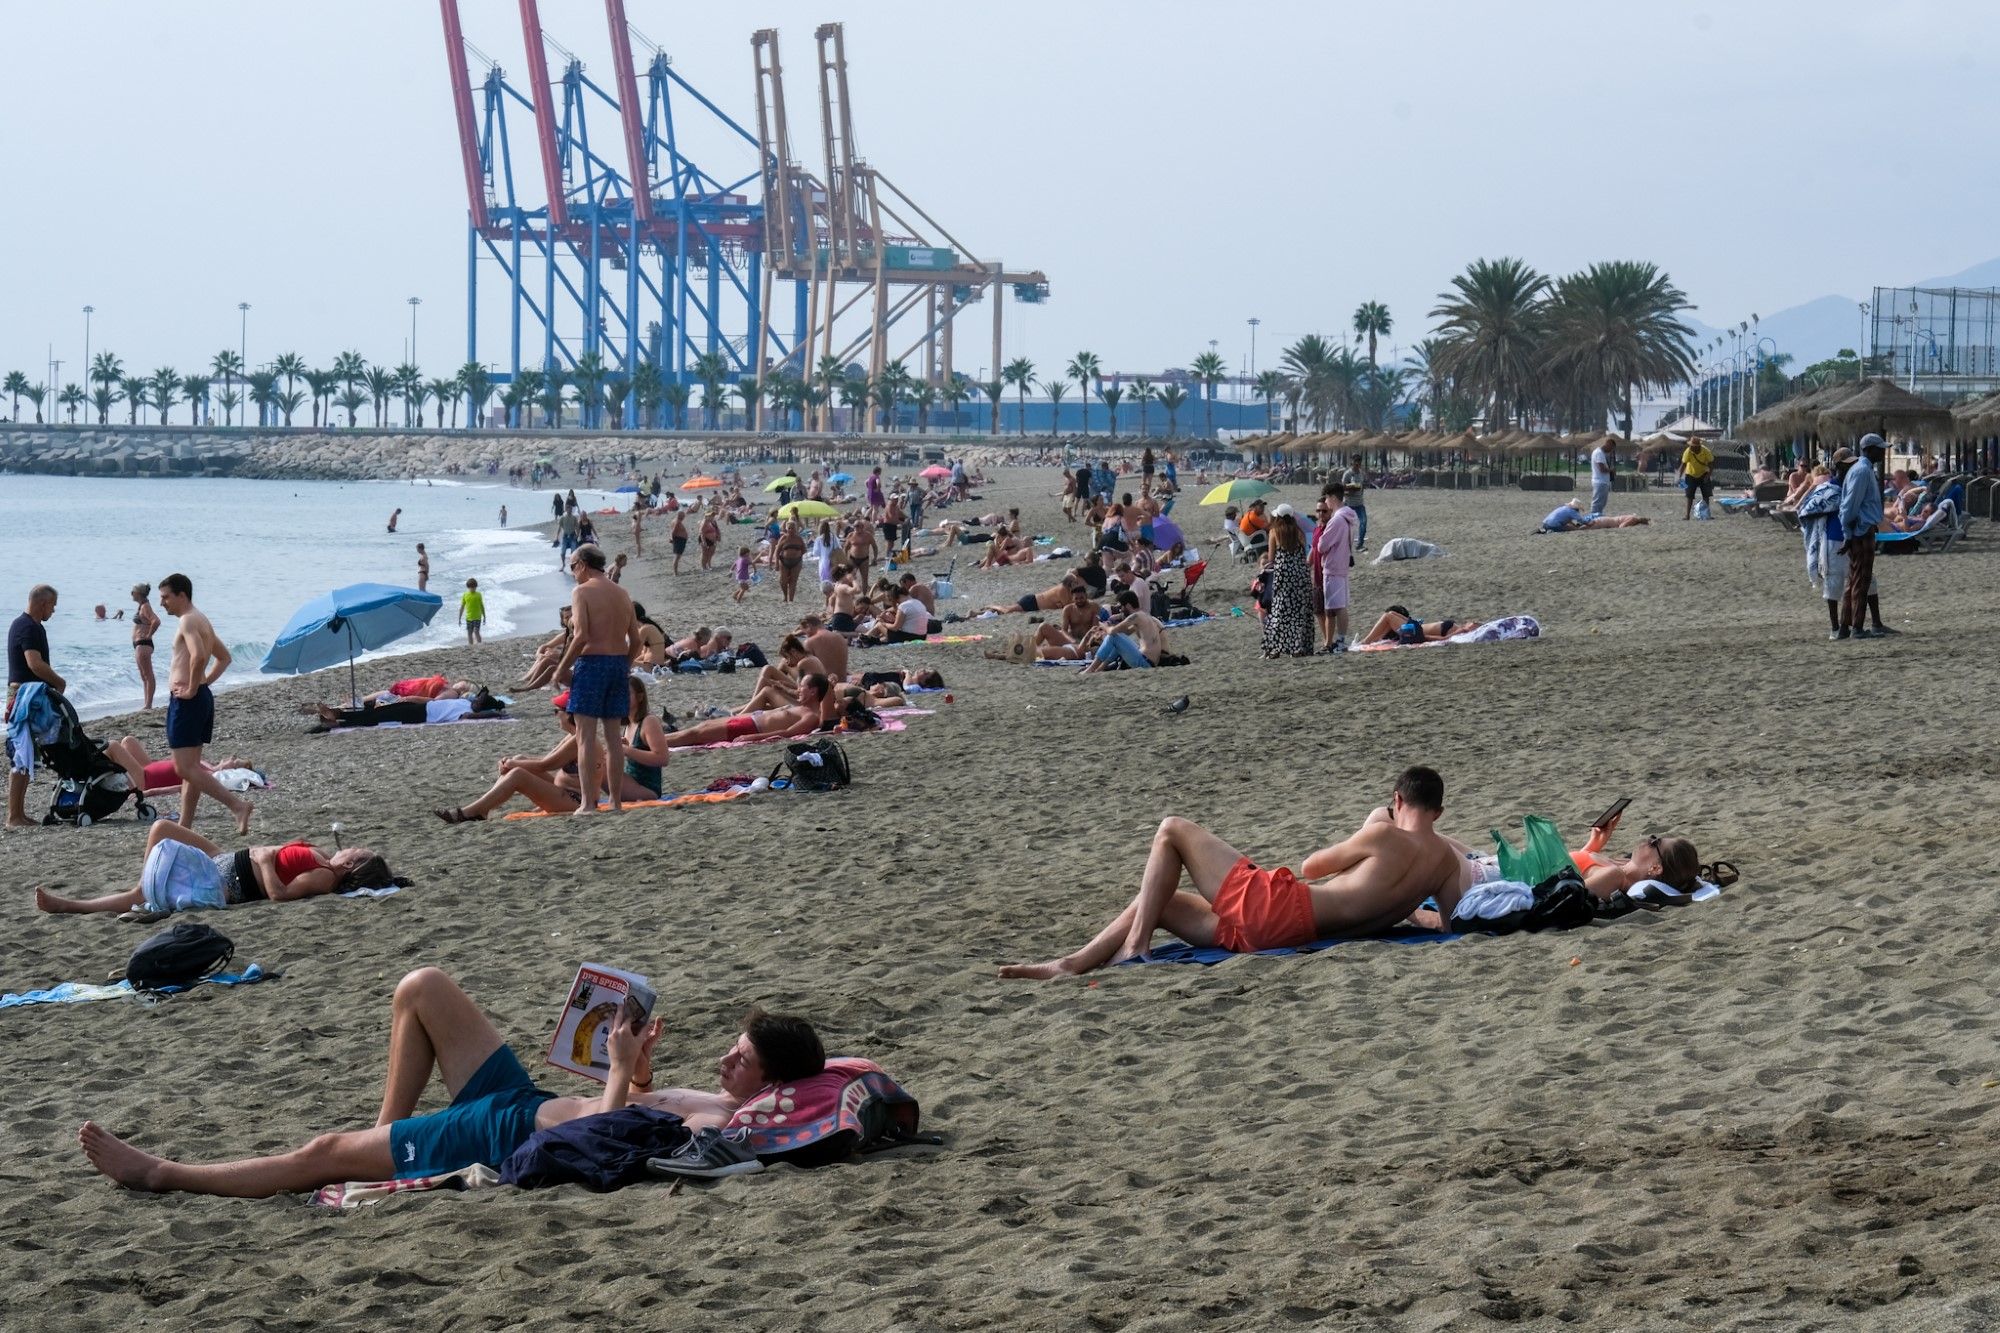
x: 145, y: 621
x: 790, y: 552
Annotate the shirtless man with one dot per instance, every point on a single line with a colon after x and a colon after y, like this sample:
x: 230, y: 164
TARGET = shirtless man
x: 597, y: 667
x: 824, y: 644
x: 1366, y: 884
x: 1079, y: 614
x: 860, y: 547
x: 910, y: 586
x: 494, y: 1105
x: 694, y: 645
x: 843, y: 606
x: 1048, y: 599
x: 778, y: 683
x: 199, y: 660
x: 790, y: 720
x: 1139, y: 640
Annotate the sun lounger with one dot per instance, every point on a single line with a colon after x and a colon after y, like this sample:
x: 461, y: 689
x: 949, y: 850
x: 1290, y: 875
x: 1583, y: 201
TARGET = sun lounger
x: 1943, y: 527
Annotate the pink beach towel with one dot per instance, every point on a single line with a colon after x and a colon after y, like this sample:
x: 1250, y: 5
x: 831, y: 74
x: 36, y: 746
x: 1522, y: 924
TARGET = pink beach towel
x: 785, y: 1118
x: 892, y: 720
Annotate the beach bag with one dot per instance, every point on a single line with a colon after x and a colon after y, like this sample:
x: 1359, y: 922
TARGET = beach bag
x: 181, y: 955
x: 1560, y: 902
x: 1543, y: 854
x: 1161, y: 607
x: 819, y: 765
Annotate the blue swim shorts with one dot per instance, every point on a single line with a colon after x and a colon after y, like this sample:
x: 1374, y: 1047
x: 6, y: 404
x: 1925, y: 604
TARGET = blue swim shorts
x: 190, y: 721
x: 493, y: 1114
x: 600, y: 685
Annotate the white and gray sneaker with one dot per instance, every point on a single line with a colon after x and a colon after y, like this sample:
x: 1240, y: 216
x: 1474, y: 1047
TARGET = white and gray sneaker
x: 709, y: 1155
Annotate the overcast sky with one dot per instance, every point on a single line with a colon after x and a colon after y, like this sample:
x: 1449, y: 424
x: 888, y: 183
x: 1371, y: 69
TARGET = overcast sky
x: 1176, y: 168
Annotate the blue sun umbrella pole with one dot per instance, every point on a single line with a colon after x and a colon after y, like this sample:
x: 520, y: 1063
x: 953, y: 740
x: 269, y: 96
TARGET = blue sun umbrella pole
x: 345, y: 623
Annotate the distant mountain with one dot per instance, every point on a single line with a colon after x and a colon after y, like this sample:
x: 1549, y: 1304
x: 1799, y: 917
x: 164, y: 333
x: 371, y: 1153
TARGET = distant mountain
x: 1822, y: 326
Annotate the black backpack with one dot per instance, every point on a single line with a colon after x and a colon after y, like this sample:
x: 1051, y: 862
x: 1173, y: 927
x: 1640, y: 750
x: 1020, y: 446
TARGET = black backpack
x: 819, y: 765
x: 181, y: 955
x: 1562, y: 902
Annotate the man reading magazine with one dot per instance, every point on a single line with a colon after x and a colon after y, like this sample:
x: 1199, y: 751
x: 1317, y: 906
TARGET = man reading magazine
x: 495, y: 1107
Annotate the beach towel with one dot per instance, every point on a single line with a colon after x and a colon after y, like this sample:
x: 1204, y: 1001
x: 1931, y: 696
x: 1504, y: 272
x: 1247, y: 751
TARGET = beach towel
x: 1408, y: 548
x: 1493, y: 631
x: 33, y: 722
x: 1185, y: 621
x: 1208, y: 955
x: 355, y: 1193
x: 79, y: 992
x: 850, y: 1104
x: 890, y: 719
x: 733, y: 793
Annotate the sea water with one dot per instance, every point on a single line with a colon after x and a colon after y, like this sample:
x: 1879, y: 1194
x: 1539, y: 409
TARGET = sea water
x: 256, y: 551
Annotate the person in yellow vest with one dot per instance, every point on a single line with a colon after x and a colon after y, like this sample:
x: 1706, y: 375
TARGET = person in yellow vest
x: 1697, y: 474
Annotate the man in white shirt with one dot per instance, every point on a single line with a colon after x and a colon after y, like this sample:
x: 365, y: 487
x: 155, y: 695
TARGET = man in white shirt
x: 1603, y: 462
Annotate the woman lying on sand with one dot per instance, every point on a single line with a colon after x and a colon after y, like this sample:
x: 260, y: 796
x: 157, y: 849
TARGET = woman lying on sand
x: 1399, y: 624
x: 409, y: 712
x: 149, y: 774
x: 549, y: 781
x: 494, y: 1107
x: 184, y: 870
x: 1366, y: 884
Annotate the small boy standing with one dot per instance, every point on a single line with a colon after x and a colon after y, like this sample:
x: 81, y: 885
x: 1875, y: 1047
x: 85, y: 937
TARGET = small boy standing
x: 471, y: 611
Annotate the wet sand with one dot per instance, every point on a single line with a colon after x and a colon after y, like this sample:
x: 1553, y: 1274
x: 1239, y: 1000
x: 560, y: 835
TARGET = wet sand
x: 1769, y: 1112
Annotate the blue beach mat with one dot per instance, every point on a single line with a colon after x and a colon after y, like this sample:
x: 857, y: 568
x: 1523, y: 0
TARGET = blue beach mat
x: 79, y: 992
x: 1208, y: 955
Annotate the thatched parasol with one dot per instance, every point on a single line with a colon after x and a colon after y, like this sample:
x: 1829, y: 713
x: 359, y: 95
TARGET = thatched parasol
x: 1977, y: 417
x: 1884, y: 406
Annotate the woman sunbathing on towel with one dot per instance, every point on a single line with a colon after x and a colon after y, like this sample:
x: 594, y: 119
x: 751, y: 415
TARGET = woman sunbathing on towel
x: 550, y: 782
x: 494, y: 1109
x: 792, y: 720
x: 1397, y: 624
x: 1358, y: 887
x: 149, y: 774
x: 183, y: 870
x: 1670, y: 860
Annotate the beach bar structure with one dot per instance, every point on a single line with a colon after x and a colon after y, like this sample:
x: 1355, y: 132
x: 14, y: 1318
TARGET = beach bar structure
x: 613, y: 243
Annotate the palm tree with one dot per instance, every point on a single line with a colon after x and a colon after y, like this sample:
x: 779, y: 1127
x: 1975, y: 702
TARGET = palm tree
x: 616, y: 390
x: 71, y: 398
x: 1208, y: 368
x: 589, y: 375
x: 1173, y: 397
x: 777, y: 389
x: 351, y: 400
x: 1381, y: 391
x: 994, y: 391
x: 14, y: 386
x: 36, y: 393
x: 166, y: 390
x: 1083, y: 369
x: 1371, y: 320
x: 1612, y: 328
x: 711, y: 371
x: 827, y: 376
x: 1020, y: 372
x: 287, y: 403
x: 554, y: 381
x: 885, y: 393
x: 953, y: 393
x: 1142, y: 394
x: 675, y: 395
x: 409, y: 380
x: 515, y: 398
x: 380, y: 382
x: 348, y: 368
x: 1112, y: 396
x: 228, y: 400
x: 321, y: 384
x: 746, y: 395
x: 415, y: 395
x: 1055, y: 389
x: 105, y: 371
x: 647, y: 382
x: 226, y: 365
x: 445, y: 391
x: 475, y: 382
x: 1490, y: 331
x: 196, y: 389
x: 923, y: 395
x: 263, y: 393
x: 854, y: 397
x: 290, y: 367
x: 138, y: 393
x: 1270, y: 386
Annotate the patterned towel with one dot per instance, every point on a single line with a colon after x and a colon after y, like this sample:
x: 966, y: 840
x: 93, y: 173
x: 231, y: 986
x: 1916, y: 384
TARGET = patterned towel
x: 355, y: 1193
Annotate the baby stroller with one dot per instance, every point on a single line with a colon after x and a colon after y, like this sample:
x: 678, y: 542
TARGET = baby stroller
x: 1181, y: 606
x: 90, y: 787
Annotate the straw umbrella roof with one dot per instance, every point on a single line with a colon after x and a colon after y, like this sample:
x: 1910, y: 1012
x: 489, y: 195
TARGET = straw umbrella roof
x: 1800, y: 415
x: 1883, y: 406
x: 1980, y: 415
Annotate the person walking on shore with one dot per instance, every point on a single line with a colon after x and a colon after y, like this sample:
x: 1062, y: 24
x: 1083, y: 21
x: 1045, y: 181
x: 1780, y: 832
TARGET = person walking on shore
x: 145, y: 623
x: 423, y: 568
x: 472, y: 611
x: 1603, y: 462
x: 677, y: 537
x: 503, y: 516
x: 569, y: 533
x: 1860, y: 516
x: 1697, y: 474
x: 28, y: 660
x: 199, y: 659
x: 638, y: 538
x: 597, y: 667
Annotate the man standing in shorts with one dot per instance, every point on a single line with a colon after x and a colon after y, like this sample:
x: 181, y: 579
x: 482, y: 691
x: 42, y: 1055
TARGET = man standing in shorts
x: 1697, y: 474
x: 1603, y: 462
x: 28, y: 660
x: 199, y: 660
x: 597, y: 667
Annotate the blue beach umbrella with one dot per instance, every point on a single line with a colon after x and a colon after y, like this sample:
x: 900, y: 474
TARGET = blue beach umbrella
x: 626, y: 490
x: 347, y: 621
x: 841, y: 477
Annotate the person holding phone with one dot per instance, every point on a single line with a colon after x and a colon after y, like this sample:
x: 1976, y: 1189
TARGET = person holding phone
x: 1670, y: 860
x: 435, y: 1026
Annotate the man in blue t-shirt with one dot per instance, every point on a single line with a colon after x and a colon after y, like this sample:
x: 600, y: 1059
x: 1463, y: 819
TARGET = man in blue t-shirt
x: 28, y: 660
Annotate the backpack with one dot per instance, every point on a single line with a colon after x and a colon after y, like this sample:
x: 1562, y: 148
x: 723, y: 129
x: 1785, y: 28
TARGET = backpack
x: 1561, y: 902
x: 819, y: 765
x: 180, y: 956
x: 1161, y: 607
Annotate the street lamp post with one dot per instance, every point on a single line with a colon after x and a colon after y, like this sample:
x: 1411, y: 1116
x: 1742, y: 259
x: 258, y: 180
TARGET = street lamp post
x: 243, y: 347
x: 415, y: 301
x: 88, y: 311
x: 1866, y: 346
x: 1254, y: 322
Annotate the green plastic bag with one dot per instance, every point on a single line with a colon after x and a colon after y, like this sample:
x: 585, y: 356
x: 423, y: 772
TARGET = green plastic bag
x: 1544, y: 854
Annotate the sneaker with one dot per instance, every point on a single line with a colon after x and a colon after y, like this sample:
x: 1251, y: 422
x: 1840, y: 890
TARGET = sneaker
x: 1836, y: 636
x: 1867, y: 634
x: 707, y: 1156
x: 1340, y: 645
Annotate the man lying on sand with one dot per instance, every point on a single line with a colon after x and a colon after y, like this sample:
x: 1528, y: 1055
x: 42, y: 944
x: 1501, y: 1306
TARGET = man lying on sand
x: 1368, y: 883
x: 1048, y: 599
x: 791, y: 720
x: 494, y: 1107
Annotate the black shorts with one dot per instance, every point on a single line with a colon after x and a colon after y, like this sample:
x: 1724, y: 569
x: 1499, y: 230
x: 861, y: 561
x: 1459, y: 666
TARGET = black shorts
x: 1028, y: 602
x: 1705, y: 483
x: 680, y: 545
x: 841, y: 623
x: 888, y: 531
x: 870, y: 679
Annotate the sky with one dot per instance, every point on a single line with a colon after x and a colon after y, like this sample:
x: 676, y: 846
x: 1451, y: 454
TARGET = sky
x: 1175, y: 168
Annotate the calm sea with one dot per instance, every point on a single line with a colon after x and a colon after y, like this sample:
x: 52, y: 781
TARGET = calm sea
x: 256, y: 550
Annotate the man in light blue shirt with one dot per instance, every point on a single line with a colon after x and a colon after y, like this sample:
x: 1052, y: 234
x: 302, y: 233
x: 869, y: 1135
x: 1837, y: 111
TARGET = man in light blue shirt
x: 1860, y: 515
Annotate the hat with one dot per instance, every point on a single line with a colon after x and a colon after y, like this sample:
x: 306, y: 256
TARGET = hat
x: 1872, y: 441
x: 1284, y: 511
x: 1843, y: 455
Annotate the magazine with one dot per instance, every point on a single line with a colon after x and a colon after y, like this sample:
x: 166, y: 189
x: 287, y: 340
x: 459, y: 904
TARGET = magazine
x: 599, y: 997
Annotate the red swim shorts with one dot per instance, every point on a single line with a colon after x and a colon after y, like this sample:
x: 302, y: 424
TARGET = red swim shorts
x: 422, y: 687
x: 741, y: 725
x: 1262, y: 909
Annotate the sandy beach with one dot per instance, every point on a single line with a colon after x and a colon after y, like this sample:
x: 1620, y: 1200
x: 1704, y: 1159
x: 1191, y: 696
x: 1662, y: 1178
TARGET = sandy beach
x: 1764, y: 1112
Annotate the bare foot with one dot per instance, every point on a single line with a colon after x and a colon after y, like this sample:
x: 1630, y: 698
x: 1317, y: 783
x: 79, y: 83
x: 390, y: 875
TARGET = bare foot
x: 582, y: 810
x: 243, y: 819
x: 48, y: 902
x: 22, y: 823
x: 118, y: 1159
x: 1060, y: 967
